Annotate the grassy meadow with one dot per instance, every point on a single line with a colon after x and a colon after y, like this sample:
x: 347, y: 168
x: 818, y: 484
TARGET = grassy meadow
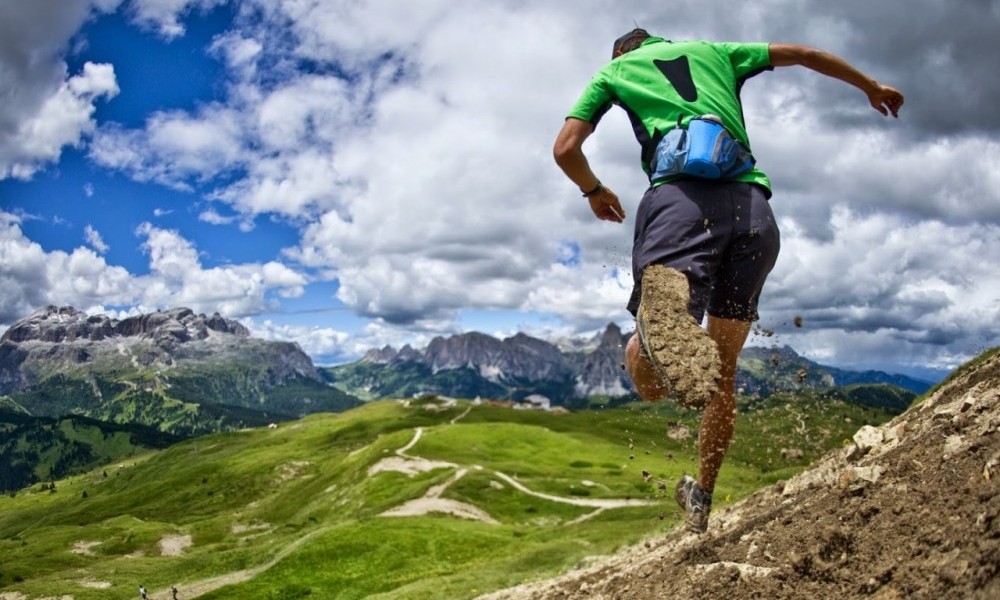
x: 296, y: 511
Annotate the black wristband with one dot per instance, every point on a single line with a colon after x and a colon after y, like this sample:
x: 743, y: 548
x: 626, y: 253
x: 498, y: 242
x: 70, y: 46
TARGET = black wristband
x: 596, y: 189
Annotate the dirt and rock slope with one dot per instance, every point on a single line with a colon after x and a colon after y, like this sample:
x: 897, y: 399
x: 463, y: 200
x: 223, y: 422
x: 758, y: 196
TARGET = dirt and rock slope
x: 906, y: 511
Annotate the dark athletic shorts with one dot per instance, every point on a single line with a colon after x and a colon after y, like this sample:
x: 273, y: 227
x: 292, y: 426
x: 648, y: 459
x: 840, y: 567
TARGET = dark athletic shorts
x: 722, y: 235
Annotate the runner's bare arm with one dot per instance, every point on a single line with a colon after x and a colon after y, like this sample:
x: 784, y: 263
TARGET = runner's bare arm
x: 882, y: 97
x: 568, y: 152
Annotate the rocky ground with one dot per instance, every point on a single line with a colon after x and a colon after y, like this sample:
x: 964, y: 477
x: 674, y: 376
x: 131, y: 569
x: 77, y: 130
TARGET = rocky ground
x: 909, y: 510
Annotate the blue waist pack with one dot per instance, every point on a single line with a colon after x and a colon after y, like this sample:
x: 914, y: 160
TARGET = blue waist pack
x: 703, y: 149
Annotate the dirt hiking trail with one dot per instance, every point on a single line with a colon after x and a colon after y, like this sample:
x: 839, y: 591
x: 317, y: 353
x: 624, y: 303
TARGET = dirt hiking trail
x: 408, y: 464
x: 909, y: 510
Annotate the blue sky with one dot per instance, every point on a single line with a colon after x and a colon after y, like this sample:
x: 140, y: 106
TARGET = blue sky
x: 353, y: 174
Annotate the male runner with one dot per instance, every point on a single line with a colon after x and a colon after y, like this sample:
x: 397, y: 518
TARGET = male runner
x: 700, y: 244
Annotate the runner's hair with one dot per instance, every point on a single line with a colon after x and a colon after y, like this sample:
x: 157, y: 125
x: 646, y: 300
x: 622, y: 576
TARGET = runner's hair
x: 630, y: 41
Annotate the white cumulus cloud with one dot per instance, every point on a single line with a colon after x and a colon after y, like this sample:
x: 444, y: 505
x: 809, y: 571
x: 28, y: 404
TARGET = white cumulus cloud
x: 63, y: 119
x: 409, y: 146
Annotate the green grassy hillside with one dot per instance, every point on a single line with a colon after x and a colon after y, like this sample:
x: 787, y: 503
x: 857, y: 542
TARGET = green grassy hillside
x: 41, y: 449
x: 298, y: 511
x: 195, y: 401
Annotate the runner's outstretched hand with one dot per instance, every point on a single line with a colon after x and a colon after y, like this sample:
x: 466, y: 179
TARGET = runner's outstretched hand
x: 886, y: 99
x: 606, y: 206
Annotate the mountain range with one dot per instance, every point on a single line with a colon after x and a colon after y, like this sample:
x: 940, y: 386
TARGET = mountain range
x: 474, y: 364
x: 173, y: 370
x: 189, y: 374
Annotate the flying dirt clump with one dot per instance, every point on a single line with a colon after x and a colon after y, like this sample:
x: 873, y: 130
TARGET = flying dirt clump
x: 909, y: 510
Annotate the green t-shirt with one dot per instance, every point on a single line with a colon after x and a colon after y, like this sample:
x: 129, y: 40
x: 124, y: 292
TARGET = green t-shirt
x: 660, y: 81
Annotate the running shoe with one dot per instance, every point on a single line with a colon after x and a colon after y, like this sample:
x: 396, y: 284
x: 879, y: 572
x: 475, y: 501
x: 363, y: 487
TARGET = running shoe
x: 681, y: 352
x: 696, y: 503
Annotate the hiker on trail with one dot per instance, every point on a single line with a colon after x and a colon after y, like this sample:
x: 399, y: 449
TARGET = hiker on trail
x: 173, y: 591
x: 705, y: 236
x: 142, y: 593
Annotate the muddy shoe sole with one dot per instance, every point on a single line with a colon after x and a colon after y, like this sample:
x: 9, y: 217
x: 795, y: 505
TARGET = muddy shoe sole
x: 686, y: 359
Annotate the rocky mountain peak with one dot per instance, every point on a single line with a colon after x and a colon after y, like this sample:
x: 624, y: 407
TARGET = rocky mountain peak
x: 612, y: 338
x: 380, y: 356
x: 57, y: 324
x: 462, y: 350
x: 63, y: 340
x: 601, y: 371
x: 408, y: 353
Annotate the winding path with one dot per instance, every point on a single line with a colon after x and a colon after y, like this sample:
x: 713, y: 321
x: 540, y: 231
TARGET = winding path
x: 431, y: 501
x: 591, y: 502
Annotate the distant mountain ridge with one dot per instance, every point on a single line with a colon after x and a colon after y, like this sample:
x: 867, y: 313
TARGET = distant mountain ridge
x: 516, y: 367
x: 59, y: 324
x: 187, y: 374
x: 65, y: 336
x: 173, y: 370
x: 471, y: 364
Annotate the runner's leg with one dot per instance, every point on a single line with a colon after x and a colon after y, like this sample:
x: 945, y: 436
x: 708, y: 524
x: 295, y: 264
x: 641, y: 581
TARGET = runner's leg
x: 718, y: 421
x: 644, y: 377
